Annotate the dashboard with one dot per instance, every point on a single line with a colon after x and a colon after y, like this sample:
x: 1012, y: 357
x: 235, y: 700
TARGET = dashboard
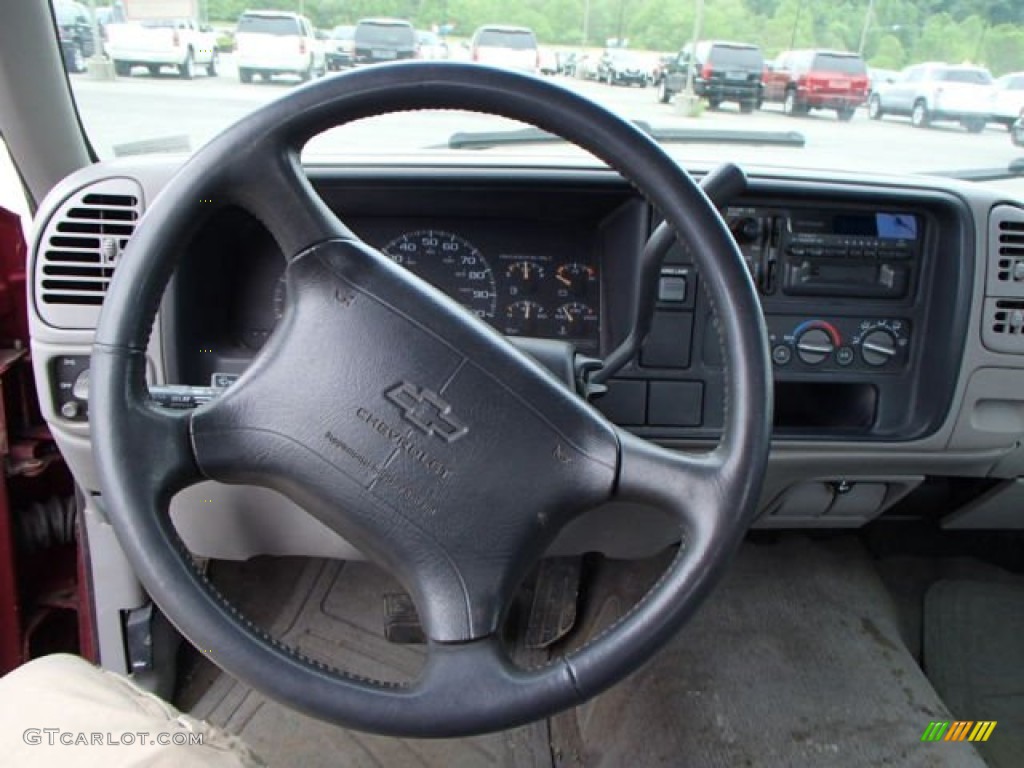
x: 893, y: 310
x: 846, y: 286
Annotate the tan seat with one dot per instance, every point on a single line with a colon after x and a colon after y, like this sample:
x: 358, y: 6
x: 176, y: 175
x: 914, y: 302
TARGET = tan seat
x: 62, y: 711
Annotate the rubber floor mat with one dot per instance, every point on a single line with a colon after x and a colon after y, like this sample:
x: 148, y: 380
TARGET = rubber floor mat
x: 974, y: 654
x: 794, y: 660
x: 335, y: 614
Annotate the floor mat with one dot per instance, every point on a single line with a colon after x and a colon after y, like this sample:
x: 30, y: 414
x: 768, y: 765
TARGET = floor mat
x: 796, y: 660
x: 974, y: 655
x: 335, y: 614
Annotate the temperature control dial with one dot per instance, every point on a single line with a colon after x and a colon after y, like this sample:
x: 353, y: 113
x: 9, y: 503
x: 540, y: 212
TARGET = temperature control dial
x: 877, y: 348
x: 814, y: 346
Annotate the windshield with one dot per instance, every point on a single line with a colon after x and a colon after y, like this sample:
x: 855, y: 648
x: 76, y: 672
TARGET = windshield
x: 624, y: 57
x: 848, y: 65
x: 68, y: 12
x: 970, y: 76
x: 384, y: 33
x: 151, y: 106
x: 268, y: 25
x: 730, y: 55
x: 506, y: 38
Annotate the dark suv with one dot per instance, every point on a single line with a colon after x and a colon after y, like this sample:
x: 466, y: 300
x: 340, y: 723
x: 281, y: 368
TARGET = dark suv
x: 722, y: 71
x: 806, y: 80
x: 378, y: 40
x: 75, y: 30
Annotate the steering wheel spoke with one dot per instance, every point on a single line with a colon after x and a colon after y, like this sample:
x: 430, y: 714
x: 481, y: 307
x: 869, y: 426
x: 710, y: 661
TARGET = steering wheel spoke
x: 157, y: 440
x: 689, y: 486
x: 268, y: 181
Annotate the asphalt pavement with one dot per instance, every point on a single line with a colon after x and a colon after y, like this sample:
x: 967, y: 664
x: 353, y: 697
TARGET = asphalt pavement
x: 121, y: 112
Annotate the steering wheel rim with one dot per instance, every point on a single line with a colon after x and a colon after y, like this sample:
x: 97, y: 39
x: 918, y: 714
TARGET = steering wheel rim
x: 468, y: 685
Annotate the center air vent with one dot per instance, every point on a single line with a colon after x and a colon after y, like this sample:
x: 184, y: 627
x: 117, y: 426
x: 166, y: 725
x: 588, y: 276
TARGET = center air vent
x: 79, y: 250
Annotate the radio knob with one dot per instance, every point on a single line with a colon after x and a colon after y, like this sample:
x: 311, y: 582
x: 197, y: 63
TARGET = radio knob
x: 814, y: 346
x: 878, y: 348
x: 750, y: 229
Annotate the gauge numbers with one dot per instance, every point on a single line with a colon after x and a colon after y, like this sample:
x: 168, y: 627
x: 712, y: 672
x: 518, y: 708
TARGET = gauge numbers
x: 525, y: 318
x: 451, y: 264
x: 575, y: 320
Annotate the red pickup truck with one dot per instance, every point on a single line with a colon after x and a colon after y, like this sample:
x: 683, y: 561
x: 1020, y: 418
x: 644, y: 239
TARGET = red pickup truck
x: 809, y: 79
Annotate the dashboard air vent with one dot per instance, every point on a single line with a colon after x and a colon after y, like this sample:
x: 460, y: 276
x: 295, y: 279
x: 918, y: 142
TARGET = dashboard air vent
x: 79, y: 250
x: 1003, y: 314
x: 1006, y: 252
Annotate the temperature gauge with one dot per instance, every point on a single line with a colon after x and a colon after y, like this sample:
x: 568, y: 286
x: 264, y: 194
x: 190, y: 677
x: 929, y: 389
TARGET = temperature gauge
x: 575, y: 320
x: 576, y: 279
x: 523, y: 318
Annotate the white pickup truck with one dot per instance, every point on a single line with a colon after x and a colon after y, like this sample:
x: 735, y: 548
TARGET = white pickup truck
x: 182, y: 43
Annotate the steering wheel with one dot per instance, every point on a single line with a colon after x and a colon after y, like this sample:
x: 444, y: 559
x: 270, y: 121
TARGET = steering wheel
x: 410, y: 427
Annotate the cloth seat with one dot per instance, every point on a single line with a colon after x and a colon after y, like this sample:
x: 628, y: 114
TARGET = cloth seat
x: 60, y: 710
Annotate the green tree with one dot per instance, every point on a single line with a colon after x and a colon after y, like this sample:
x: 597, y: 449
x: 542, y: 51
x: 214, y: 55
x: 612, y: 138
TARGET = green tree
x: 1003, y: 49
x: 889, y: 53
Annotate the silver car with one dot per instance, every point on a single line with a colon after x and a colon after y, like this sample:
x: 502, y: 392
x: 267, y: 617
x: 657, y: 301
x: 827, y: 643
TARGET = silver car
x: 1007, y: 99
x: 935, y: 92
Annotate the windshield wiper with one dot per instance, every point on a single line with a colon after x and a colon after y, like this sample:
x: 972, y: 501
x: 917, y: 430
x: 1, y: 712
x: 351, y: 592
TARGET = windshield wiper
x: 520, y: 136
x: 1012, y: 171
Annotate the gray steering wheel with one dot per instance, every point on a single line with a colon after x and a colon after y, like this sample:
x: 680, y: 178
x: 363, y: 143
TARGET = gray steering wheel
x: 410, y: 427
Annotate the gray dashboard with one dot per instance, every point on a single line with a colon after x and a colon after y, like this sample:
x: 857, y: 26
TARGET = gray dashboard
x: 894, y: 309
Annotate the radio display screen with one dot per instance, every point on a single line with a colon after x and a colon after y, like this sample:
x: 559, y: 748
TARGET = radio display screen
x: 885, y: 226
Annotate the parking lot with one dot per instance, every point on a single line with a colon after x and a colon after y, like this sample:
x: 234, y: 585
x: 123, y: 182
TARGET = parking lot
x: 128, y: 110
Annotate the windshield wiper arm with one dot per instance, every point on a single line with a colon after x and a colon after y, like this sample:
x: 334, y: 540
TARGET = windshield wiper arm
x: 1012, y: 171
x: 490, y: 139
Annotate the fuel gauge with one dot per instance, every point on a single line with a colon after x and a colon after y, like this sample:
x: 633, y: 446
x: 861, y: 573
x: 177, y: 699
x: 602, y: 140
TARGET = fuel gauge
x: 575, y: 320
x: 524, y: 318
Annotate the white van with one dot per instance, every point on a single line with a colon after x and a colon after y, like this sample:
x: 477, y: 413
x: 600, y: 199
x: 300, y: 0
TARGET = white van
x: 503, y: 46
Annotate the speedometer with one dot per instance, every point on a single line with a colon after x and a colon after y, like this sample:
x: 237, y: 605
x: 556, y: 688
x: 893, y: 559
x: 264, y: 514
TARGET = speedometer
x: 451, y: 264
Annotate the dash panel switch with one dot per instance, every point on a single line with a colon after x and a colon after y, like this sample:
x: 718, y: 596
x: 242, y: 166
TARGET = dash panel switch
x: 672, y: 286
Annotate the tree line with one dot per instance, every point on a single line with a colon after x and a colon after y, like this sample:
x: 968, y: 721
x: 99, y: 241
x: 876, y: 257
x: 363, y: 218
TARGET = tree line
x: 895, y: 34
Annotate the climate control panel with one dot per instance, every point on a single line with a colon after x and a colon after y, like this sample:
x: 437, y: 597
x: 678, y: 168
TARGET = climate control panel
x: 839, y: 343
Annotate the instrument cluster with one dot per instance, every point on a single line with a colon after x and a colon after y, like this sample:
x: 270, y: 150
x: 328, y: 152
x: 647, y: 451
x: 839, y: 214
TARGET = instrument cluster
x: 542, y: 291
x: 520, y: 294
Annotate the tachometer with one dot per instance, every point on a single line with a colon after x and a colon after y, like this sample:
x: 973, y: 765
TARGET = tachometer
x: 449, y: 263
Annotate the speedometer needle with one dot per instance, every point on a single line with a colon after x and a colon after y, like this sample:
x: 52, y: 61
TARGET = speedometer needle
x: 564, y: 280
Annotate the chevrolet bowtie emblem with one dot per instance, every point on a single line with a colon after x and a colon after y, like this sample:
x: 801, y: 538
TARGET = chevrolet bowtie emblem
x: 426, y: 411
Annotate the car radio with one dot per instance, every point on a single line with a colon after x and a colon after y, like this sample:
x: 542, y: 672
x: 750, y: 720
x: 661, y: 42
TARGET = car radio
x: 849, y: 254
